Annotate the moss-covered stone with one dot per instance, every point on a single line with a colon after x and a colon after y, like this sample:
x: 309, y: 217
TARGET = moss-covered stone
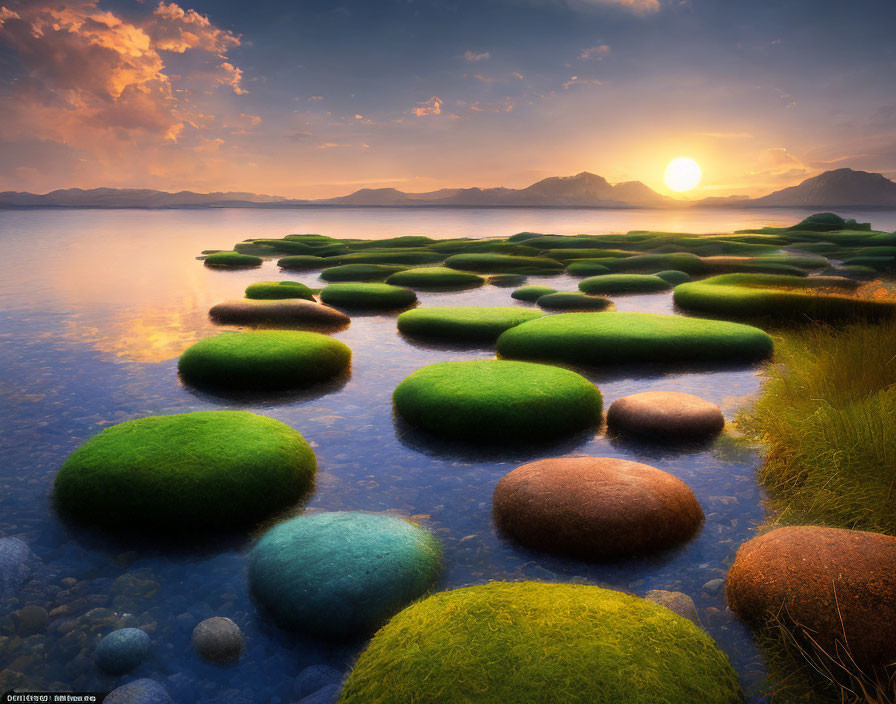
x: 463, y: 322
x: 623, y: 283
x: 181, y: 473
x: 497, y: 401
x: 573, y: 300
x: 232, y: 260
x: 266, y: 359
x: 498, y: 263
x: 531, y: 294
x: 589, y: 267
x: 368, y: 296
x: 390, y: 256
x: 529, y: 642
x: 597, y: 338
x: 403, y: 242
x: 782, y: 297
x: 360, y: 272
x: 673, y: 277
x: 342, y: 574
x: 302, y: 262
x: 272, y: 290
x: 436, y: 278
x: 689, y: 263
x: 507, y: 280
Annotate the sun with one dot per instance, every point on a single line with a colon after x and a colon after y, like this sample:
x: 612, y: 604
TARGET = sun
x: 682, y: 174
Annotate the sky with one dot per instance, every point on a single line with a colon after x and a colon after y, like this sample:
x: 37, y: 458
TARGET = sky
x: 316, y: 98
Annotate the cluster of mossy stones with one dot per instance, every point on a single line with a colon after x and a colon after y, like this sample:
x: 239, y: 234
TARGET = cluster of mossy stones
x: 341, y: 575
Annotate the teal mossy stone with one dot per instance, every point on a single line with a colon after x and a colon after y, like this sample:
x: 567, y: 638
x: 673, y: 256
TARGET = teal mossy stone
x: 360, y: 272
x: 573, y: 300
x: 302, y: 262
x: 497, y: 401
x: 435, y: 277
x: 273, y: 290
x: 463, y: 322
x: 597, y: 338
x: 499, y: 263
x: 232, y: 260
x: 264, y: 359
x: 781, y: 297
x: 342, y: 574
x: 122, y: 650
x: 532, y: 293
x: 181, y: 473
x: 623, y: 283
x: 528, y: 642
x: 371, y: 296
x: 673, y: 277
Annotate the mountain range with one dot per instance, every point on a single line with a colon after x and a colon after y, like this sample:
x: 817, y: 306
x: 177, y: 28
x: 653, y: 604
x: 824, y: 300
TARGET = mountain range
x: 831, y: 189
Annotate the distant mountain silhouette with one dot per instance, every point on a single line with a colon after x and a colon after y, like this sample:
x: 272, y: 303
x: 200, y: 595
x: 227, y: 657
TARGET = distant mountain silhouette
x: 838, y: 188
x: 832, y: 189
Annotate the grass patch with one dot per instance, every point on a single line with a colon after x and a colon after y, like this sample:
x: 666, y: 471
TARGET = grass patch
x: 409, y: 257
x: 498, y: 263
x: 360, y: 272
x: 573, y: 300
x: 435, y: 277
x: 826, y: 416
x: 367, y: 296
x: 463, y: 322
x: 273, y: 290
x: 548, y: 643
x: 532, y: 293
x: 623, y: 283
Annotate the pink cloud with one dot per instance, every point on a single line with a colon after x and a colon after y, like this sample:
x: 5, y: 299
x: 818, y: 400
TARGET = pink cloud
x: 433, y: 106
x: 595, y: 52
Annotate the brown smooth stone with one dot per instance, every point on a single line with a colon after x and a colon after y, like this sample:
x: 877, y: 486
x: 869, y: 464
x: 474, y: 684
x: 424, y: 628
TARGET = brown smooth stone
x: 840, y: 584
x: 286, y: 312
x: 595, y: 507
x: 665, y: 415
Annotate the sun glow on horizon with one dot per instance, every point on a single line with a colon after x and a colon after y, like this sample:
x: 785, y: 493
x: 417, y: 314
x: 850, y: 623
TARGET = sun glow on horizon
x: 682, y: 174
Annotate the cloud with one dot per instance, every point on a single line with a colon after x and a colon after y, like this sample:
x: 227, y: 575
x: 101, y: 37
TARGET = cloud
x: 638, y: 7
x: 578, y: 81
x: 94, y: 78
x: 475, y: 57
x: 433, y: 106
x: 595, y: 52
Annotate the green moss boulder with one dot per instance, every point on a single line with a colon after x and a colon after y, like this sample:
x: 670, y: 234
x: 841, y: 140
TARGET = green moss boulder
x: 504, y: 263
x: 272, y: 290
x: 623, y: 283
x: 507, y: 280
x: 302, y: 262
x: 360, y: 272
x: 436, y: 278
x: 498, y: 401
x: 781, y: 297
x: 573, y: 300
x: 463, y: 322
x: 390, y: 256
x: 368, y: 296
x: 342, y: 574
x: 179, y: 474
x: 232, y: 260
x: 673, y: 277
x: 529, y: 642
x: 689, y: 263
x: 598, y: 338
x: 263, y: 360
x: 530, y: 294
x: 589, y: 267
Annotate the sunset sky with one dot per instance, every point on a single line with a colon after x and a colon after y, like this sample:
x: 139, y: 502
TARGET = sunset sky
x: 315, y: 98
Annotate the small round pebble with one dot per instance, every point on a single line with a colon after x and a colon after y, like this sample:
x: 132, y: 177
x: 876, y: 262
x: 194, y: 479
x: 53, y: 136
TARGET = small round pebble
x: 122, y: 650
x: 218, y: 640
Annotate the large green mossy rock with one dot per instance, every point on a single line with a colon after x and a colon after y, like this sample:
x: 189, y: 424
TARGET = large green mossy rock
x: 498, y: 263
x: 404, y: 242
x: 589, y: 267
x: 360, y: 272
x: 781, y: 297
x: 232, y: 260
x: 498, y: 401
x: 598, y: 338
x: 184, y: 473
x: 623, y: 283
x: 436, y: 278
x: 463, y: 322
x: 342, y: 574
x: 535, y: 643
x: 530, y: 294
x: 302, y: 262
x: 367, y: 296
x: 573, y: 300
x: 273, y: 290
x: 263, y: 360
x: 389, y: 256
x: 673, y: 277
x: 689, y: 263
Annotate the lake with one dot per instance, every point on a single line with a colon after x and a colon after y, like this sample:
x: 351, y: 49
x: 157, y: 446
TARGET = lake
x: 96, y: 306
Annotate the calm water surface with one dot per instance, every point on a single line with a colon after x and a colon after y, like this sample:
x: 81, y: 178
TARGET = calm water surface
x: 96, y: 306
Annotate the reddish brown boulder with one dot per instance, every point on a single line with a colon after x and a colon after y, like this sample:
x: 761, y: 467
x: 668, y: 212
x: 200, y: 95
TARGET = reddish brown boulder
x: 595, y: 507
x: 839, y: 584
x: 665, y: 415
x: 292, y: 312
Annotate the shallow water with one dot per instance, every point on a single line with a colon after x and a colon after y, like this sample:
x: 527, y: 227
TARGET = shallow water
x: 95, y: 307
